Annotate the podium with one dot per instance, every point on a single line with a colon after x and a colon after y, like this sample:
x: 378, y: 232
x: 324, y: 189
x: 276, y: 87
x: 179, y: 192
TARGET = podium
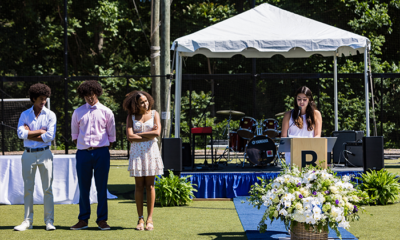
x: 305, y: 151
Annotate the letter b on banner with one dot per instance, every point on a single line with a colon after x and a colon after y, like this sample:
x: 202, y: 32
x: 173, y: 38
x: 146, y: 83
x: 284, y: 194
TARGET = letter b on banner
x: 304, y: 158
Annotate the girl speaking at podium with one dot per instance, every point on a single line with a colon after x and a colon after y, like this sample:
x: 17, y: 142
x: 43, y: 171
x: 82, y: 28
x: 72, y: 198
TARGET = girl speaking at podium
x: 304, y: 120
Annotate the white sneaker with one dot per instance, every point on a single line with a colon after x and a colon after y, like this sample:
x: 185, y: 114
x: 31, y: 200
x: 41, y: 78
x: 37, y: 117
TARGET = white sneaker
x: 50, y: 227
x: 24, y: 226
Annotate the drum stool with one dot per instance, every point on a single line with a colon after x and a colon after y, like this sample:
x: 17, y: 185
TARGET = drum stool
x: 204, y: 131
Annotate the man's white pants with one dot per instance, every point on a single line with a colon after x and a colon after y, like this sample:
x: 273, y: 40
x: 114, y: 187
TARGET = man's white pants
x: 30, y: 162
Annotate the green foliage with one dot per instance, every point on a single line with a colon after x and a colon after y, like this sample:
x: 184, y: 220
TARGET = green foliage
x: 105, y: 37
x: 100, y: 33
x: 381, y: 186
x: 201, y: 12
x: 257, y: 191
x: 199, y: 103
x: 173, y: 190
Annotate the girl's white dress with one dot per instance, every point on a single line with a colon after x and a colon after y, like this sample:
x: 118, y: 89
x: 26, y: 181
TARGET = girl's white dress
x: 144, y: 157
x: 295, y: 131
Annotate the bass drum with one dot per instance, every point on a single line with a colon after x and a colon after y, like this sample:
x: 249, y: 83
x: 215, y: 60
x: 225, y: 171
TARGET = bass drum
x: 261, y: 150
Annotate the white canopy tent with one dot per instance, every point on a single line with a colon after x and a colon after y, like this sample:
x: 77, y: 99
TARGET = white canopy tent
x: 263, y: 32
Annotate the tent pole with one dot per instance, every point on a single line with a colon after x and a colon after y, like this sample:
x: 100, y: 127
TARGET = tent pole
x: 335, y: 89
x: 366, y: 90
x: 178, y: 88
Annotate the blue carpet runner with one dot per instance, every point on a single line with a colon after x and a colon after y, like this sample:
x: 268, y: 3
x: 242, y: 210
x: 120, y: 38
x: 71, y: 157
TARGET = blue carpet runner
x: 250, y: 217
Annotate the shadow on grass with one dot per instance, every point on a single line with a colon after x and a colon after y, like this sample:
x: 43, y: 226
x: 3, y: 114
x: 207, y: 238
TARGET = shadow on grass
x: 391, y: 166
x: 122, y: 191
x: 93, y: 228
x: 9, y: 227
x: 225, y: 235
x: 255, y: 234
x: 156, y: 205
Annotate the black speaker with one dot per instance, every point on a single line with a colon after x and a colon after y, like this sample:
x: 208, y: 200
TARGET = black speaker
x: 373, y: 153
x: 343, y: 137
x: 354, y: 154
x: 172, y: 154
x: 186, y: 155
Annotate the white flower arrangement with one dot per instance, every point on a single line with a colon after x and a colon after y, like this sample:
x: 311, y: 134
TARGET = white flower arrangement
x: 313, y: 196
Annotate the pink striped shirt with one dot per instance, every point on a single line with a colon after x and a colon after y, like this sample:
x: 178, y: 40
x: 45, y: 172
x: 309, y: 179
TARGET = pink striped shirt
x: 93, y: 126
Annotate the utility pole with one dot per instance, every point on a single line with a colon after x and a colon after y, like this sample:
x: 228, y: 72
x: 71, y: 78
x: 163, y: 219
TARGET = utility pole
x: 66, y: 118
x: 155, y: 55
x: 165, y: 68
x: 253, y: 74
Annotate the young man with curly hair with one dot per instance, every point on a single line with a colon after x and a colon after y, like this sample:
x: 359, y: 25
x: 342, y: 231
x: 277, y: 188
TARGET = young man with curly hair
x: 37, y: 127
x: 93, y: 131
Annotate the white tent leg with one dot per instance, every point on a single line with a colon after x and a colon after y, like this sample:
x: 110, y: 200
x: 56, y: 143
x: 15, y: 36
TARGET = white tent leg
x: 335, y: 90
x: 366, y: 91
x: 178, y: 89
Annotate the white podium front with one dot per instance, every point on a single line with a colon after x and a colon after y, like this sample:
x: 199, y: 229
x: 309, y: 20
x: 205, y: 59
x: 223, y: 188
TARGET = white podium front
x: 65, y: 182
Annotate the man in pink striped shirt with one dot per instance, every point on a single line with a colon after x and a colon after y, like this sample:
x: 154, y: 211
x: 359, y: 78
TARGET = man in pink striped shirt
x: 93, y: 131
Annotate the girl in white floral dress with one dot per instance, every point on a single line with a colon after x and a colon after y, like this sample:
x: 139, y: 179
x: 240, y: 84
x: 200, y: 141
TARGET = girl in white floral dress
x: 145, y: 160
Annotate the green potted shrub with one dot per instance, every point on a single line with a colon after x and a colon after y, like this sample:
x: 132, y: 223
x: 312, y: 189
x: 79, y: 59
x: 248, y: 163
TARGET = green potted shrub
x: 173, y: 190
x: 381, y: 186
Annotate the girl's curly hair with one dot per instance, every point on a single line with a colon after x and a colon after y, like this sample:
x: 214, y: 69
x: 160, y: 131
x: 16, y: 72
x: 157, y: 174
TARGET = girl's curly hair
x: 89, y: 87
x: 131, y: 102
x: 37, y: 90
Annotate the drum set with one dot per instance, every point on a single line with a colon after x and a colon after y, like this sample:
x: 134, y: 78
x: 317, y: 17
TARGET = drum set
x: 258, y: 140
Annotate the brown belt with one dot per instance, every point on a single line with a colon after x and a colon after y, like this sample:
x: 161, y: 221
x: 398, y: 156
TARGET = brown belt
x: 93, y: 148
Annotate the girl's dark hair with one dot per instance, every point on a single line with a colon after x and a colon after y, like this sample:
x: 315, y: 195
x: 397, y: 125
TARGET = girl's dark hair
x: 310, y: 110
x: 39, y: 89
x: 132, y: 99
x: 89, y: 87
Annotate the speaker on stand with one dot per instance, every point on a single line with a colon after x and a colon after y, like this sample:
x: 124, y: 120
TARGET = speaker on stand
x: 354, y: 154
x: 342, y: 138
x: 172, y: 154
x: 373, y: 153
x: 186, y: 156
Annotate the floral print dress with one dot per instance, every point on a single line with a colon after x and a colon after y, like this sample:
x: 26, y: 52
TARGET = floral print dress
x: 145, y: 159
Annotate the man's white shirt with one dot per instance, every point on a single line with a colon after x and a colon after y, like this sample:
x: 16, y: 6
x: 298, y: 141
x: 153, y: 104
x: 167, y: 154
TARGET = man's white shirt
x: 46, y: 120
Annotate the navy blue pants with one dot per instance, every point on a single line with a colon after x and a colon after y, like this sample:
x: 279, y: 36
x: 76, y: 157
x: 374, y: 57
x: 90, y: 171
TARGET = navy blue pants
x: 87, y: 162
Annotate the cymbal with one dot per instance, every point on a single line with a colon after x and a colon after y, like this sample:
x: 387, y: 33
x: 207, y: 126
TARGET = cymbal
x: 230, y: 112
x: 279, y: 114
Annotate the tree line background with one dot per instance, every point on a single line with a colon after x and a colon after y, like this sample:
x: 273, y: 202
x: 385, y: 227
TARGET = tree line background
x: 106, y: 38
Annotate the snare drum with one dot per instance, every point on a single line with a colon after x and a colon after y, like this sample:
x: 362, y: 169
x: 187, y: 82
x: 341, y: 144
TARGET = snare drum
x: 247, y: 128
x: 261, y: 150
x: 236, y: 142
x: 271, y: 126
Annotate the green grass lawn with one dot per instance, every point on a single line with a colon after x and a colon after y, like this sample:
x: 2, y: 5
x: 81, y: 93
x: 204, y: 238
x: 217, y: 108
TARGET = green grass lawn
x: 379, y: 222
x: 199, y: 220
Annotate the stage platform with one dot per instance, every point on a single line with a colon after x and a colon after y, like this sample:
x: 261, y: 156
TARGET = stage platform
x: 231, y: 181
